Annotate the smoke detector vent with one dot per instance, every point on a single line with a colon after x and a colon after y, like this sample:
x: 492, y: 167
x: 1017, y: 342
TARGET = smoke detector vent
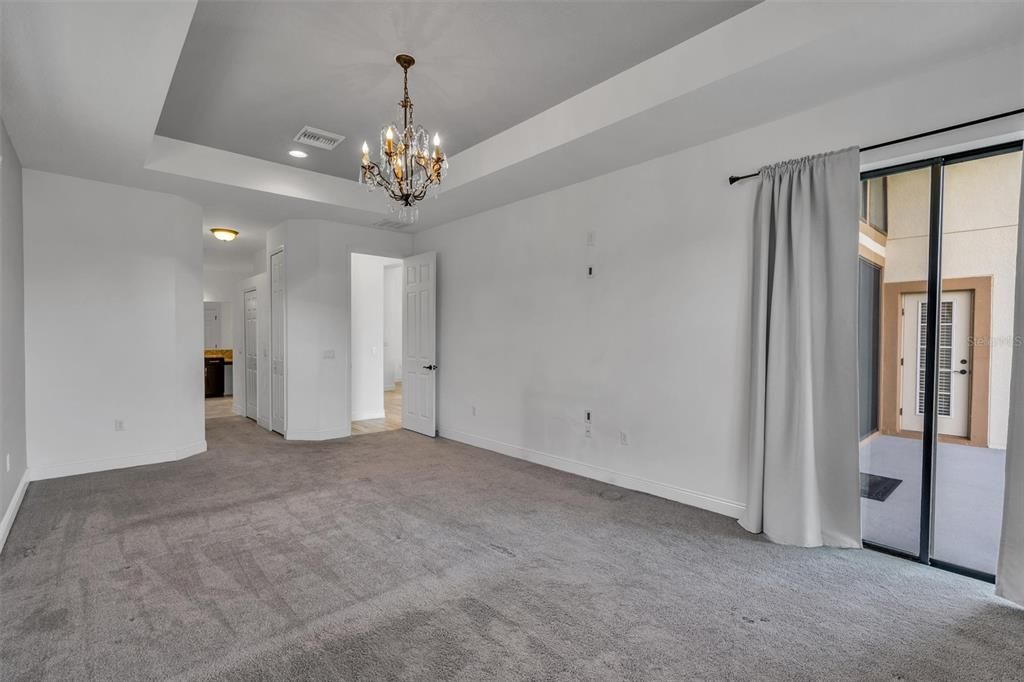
x: 315, y: 137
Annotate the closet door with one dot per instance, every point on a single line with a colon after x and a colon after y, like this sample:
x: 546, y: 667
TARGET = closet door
x: 251, y: 355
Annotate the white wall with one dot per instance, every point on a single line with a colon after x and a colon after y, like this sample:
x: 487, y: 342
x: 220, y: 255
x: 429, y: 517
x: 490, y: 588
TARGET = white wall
x: 213, y: 325
x: 318, y: 334
x: 368, y: 346
x: 656, y: 344
x: 113, y: 325
x: 260, y: 261
x: 392, y: 325
x: 12, y: 338
x: 221, y: 285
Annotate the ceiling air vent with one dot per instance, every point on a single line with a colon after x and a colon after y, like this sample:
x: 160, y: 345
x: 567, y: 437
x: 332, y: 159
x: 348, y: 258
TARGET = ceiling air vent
x: 315, y: 137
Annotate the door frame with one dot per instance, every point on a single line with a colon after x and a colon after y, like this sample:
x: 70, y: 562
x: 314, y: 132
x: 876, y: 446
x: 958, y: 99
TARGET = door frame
x: 892, y: 333
x: 381, y: 252
x: 245, y: 356
x: 279, y: 251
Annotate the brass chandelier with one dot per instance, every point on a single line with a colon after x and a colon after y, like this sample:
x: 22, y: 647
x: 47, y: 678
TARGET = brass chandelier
x: 408, y: 169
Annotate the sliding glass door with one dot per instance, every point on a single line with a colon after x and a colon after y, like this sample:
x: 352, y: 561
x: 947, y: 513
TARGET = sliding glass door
x: 980, y: 201
x: 942, y: 236
x: 894, y: 226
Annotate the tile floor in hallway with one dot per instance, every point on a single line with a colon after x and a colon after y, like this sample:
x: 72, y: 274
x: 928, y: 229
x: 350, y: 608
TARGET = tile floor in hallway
x: 219, y: 407
x: 392, y: 415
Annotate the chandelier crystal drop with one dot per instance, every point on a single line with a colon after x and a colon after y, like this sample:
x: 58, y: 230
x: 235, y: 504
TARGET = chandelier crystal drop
x: 408, y: 169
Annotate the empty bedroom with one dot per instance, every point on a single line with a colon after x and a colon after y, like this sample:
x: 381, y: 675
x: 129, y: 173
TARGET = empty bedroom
x: 516, y: 340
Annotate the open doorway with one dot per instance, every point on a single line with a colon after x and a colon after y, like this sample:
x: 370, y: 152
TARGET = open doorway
x: 218, y: 360
x: 376, y: 343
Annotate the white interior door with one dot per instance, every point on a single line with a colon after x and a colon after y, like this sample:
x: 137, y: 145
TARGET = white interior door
x: 251, y: 356
x: 419, y: 344
x: 277, y: 326
x: 954, y: 381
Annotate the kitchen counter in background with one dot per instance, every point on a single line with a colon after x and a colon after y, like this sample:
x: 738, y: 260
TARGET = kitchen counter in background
x: 218, y: 371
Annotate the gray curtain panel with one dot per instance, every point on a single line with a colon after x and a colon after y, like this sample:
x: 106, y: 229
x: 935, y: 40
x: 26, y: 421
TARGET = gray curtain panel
x: 1010, y: 570
x: 803, y: 475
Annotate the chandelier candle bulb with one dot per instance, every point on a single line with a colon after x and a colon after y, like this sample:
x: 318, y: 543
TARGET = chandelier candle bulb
x: 389, y: 139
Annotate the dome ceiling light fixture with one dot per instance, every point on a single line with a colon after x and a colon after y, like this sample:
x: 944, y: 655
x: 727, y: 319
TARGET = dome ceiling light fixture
x: 225, y: 234
x: 407, y: 169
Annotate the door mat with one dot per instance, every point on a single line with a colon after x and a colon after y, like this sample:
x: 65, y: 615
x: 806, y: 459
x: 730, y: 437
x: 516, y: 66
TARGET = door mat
x: 878, y: 487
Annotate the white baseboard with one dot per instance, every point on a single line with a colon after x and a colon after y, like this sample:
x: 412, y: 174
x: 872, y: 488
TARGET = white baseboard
x: 12, y: 509
x: 693, y: 498
x: 326, y: 434
x: 45, y: 471
x: 362, y: 416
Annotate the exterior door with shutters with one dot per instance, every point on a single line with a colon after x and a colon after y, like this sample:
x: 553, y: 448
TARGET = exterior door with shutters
x: 250, y: 355
x: 954, y: 378
x: 419, y: 344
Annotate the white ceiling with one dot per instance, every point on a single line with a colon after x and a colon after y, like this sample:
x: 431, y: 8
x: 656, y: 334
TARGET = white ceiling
x: 85, y: 84
x: 252, y: 74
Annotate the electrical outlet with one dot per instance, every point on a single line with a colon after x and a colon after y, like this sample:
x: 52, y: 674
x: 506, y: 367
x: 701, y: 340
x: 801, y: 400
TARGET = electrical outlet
x: 590, y: 272
x: 623, y: 438
x: 586, y: 431
x: 329, y: 354
x: 119, y: 425
x: 586, y: 416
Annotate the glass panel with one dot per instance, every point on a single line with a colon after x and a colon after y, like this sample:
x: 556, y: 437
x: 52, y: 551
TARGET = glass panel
x: 980, y: 204
x: 869, y: 278
x: 878, y: 210
x: 891, y: 452
x: 864, y: 201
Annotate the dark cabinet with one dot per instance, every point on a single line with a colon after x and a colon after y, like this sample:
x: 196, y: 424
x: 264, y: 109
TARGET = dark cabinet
x: 214, y: 377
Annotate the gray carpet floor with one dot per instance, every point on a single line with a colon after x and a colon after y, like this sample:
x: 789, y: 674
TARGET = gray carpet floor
x: 394, y: 556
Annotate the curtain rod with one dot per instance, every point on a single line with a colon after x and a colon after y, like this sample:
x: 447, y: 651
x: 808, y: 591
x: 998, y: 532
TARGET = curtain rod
x: 733, y: 179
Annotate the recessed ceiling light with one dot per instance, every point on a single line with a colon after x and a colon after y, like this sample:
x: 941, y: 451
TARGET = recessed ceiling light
x: 298, y: 153
x: 225, y: 234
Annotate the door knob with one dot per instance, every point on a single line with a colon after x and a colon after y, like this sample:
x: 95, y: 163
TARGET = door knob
x: 430, y: 367
x: 962, y: 371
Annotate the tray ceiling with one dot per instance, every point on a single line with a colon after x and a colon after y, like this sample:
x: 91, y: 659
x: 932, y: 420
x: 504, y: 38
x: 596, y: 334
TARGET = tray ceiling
x: 251, y: 75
